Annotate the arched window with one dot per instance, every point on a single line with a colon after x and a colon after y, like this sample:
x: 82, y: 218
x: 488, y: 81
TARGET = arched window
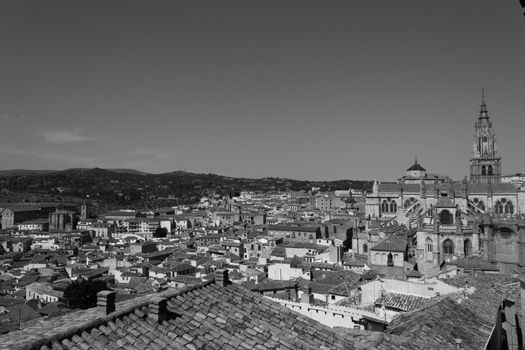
x: 409, y: 202
x: 390, y: 261
x: 429, y: 245
x: 384, y: 207
x: 490, y: 170
x: 467, y: 247
x: 448, y: 247
x: 393, y: 207
x: 446, y: 218
x: 365, y: 248
x: 483, y: 170
x: 481, y: 205
x: 498, y: 207
x: 509, y: 208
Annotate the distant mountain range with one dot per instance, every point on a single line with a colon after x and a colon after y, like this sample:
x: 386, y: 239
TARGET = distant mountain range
x: 119, y: 188
x: 26, y: 172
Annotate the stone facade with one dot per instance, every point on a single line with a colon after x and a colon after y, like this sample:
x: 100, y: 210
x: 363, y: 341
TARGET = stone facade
x: 455, y: 219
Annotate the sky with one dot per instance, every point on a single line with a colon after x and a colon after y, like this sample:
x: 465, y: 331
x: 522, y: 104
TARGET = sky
x: 317, y: 90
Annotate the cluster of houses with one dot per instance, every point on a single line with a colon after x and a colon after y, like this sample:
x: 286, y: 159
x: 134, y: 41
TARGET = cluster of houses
x: 307, y: 251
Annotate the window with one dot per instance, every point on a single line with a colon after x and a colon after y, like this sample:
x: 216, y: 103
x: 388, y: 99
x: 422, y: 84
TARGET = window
x: 446, y: 218
x: 490, y: 170
x: 333, y: 297
x: 429, y: 245
x: 393, y: 207
x: 467, y: 247
x: 509, y: 208
x: 390, y: 261
x: 483, y: 170
x: 365, y: 248
x: 384, y: 207
x: 498, y: 207
x: 448, y: 247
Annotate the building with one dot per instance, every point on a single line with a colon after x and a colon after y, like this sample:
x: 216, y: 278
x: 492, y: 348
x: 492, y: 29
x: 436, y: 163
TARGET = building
x: 13, y: 215
x: 455, y: 219
x: 43, y: 292
x: 485, y: 164
x: 328, y: 202
x: 62, y: 220
x: 517, y: 179
x: 292, y: 233
x: 34, y: 225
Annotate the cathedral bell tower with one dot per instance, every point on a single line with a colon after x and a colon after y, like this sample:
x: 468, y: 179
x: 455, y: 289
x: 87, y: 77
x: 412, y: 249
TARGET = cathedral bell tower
x: 485, y: 164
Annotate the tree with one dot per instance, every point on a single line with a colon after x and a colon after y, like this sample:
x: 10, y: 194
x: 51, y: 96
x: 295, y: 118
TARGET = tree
x: 160, y: 232
x: 83, y: 293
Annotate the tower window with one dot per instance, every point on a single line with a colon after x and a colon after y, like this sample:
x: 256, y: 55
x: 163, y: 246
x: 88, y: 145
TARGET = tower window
x: 446, y: 218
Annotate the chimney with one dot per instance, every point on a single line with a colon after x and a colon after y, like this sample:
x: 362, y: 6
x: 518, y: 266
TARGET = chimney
x: 307, y: 297
x: 105, y: 302
x: 459, y: 342
x: 158, y: 309
x: 221, y: 278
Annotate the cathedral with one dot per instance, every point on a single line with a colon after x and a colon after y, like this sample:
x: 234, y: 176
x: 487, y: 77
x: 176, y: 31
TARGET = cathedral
x: 450, y: 220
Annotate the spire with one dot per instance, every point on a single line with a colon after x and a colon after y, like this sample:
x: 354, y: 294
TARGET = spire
x: 483, y: 113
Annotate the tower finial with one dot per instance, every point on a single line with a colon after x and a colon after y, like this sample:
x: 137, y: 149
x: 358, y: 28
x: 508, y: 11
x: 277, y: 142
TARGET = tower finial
x: 483, y: 113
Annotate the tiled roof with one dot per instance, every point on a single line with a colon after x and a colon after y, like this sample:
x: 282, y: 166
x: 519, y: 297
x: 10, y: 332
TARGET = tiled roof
x: 392, y: 243
x: 270, y: 285
x: 443, y: 322
x: 356, y: 260
x: 469, y: 314
x: 375, y: 340
x: 342, y: 289
x: 206, y: 316
x: 401, y: 302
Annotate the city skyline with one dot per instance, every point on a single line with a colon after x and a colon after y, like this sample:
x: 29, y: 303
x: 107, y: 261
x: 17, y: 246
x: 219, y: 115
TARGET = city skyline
x: 291, y: 89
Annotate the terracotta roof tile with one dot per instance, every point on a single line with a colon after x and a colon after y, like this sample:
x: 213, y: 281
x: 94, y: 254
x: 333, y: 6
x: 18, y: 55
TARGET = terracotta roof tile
x: 207, y: 316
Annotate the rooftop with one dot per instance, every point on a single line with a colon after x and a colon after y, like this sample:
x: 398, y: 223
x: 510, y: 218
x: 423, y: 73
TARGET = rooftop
x: 207, y: 315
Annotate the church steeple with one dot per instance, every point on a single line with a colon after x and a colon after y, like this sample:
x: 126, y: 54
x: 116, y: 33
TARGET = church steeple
x: 485, y: 164
x: 483, y: 113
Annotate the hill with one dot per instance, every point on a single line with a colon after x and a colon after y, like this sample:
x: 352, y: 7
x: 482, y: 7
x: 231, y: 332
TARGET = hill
x: 118, y: 188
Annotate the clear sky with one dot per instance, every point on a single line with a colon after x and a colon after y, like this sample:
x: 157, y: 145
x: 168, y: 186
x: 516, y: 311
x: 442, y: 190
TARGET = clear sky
x: 315, y: 90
